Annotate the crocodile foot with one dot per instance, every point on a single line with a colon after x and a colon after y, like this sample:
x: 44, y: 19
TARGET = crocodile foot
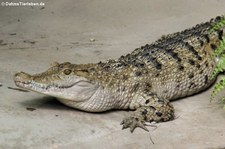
x: 133, y: 122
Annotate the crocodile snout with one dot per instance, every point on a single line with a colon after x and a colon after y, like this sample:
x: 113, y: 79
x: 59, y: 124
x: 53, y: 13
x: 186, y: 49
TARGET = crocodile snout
x: 22, y: 77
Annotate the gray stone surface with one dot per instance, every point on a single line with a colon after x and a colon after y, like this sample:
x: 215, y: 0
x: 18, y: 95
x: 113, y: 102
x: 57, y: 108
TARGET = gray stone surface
x: 33, y: 37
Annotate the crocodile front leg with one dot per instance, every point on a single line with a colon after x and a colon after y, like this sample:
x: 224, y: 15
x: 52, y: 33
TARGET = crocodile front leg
x: 149, y: 108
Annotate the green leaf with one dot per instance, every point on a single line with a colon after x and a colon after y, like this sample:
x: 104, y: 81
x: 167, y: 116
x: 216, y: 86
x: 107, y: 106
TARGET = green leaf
x: 218, y: 88
x: 220, y: 67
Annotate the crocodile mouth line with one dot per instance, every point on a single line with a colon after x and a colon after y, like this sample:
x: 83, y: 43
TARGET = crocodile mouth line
x: 35, y: 85
x: 32, y: 84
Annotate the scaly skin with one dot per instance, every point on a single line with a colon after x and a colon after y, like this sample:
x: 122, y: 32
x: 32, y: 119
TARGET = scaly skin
x: 177, y: 65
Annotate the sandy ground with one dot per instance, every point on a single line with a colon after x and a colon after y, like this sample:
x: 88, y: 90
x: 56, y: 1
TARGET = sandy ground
x: 33, y: 37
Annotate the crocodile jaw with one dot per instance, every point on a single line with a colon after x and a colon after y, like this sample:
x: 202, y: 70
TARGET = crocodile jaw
x: 76, y: 89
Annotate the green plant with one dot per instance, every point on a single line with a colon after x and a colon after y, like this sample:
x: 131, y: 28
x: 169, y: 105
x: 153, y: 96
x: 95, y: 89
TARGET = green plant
x: 218, y: 25
x: 220, y: 54
x: 218, y: 88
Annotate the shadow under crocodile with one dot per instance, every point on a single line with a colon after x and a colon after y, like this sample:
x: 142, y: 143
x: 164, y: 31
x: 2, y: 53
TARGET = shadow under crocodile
x: 48, y: 102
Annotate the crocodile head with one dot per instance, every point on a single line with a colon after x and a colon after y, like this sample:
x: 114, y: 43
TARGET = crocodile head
x: 64, y: 81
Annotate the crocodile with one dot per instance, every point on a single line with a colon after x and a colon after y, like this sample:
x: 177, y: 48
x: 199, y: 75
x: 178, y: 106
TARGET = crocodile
x: 144, y: 81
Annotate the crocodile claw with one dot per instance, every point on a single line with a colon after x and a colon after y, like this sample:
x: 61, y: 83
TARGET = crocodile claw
x: 133, y: 122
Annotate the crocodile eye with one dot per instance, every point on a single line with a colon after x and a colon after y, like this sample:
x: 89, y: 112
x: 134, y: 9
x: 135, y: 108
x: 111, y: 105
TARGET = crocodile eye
x: 67, y: 71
